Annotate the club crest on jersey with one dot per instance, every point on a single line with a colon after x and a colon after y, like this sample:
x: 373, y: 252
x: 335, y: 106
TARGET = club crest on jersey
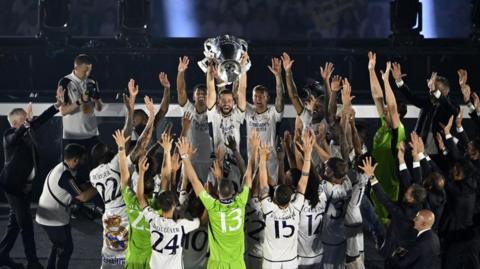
x: 116, y: 235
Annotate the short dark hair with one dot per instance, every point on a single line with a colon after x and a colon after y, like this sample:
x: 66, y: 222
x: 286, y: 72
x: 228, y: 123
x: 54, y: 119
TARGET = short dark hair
x: 200, y: 87
x: 419, y: 193
x: 433, y: 179
x: 338, y: 166
x: 83, y: 59
x: 74, y: 151
x: 194, y: 206
x: 295, y: 174
x: 101, y: 153
x: 476, y: 143
x: 140, y: 112
x: 261, y: 88
x: 402, y: 109
x: 225, y: 91
x: 165, y: 201
x: 444, y: 81
x: 226, y: 188
x: 283, y: 195
x: 149, y: 185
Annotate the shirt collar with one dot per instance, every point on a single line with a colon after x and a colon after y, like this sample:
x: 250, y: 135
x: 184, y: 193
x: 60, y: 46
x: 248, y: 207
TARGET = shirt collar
x: 75, y: 77
x: 422, y: 231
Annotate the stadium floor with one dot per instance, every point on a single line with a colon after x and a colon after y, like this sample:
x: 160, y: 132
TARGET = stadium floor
x: 87, y: 244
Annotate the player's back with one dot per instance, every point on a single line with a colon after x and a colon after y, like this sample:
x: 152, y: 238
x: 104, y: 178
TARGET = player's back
x: 333, y: 231
x: 310, y: 227
x: 281, y: 231
x: 106, y: 179
x: 166, y: 236
x: 225, y: 229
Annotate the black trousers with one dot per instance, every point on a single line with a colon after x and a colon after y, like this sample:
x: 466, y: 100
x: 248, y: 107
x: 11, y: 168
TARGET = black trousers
x: 62, y: 246
x: 19, y: 221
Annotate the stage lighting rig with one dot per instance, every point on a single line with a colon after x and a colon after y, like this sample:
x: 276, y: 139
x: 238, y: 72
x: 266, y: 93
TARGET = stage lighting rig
x: 54, y: 20
x: 134, y: 20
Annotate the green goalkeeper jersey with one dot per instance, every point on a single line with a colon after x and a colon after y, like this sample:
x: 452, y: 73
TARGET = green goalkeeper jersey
x: 138, y: 231
x: 225, y: 229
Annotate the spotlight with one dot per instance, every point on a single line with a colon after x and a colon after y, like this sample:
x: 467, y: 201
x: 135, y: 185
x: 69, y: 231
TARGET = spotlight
x: 406, y: 19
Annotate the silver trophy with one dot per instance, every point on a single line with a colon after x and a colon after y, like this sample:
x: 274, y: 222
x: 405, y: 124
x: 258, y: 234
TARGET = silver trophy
x: 226, y: 52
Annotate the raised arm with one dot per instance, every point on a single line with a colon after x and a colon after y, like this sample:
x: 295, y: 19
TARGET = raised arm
x: 308, y: 141
x: 186, y: 123
x: 211, y: 93
x: 291, y: 88
x: 185, y: 149
x: 264, y: 152
x: 142, y: 168
x: 129, y: 102
x: 276, y: 69
x: 232, y: 145
x: 332, y: 99
x: 166, y: 143
x: 242, y: 85
x: 120, y: 139
x: 390, y: 98
x: 144, y: 139
x: 254, y: 141
x: 165, y: 99
x: 403, y: 87
x: 181, y: 84
x: 375, y: 87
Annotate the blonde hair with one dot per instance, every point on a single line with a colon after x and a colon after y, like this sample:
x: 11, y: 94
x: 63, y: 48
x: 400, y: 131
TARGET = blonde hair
x: 14, y: 114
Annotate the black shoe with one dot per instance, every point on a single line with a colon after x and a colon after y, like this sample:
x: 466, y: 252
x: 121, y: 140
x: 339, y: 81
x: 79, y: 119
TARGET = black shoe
x: 34, y: 265
x: 8, y: 262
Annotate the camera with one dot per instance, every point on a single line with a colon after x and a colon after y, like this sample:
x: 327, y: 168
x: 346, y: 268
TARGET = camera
x: 92, y: 90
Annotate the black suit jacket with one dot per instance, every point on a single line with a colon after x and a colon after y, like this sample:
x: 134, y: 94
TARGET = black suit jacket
x: 21, y: 154
x: 430, y: 114
x: 425, y: 254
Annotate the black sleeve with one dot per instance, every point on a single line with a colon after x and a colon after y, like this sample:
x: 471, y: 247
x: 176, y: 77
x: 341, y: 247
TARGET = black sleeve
x: 453, y: 150
x: 476, y: 119
x: 411, y: 257
x: 405, y: 181
x: 67, y: 182
x: 64, y: 83
x: 417, y: 175
x: 385, y: 200
x: 463, y: 139
x: 414, y: 100
x: 426, y: 168
x: 447, y: 105
x: 44, y: 117
x: 12, y: 135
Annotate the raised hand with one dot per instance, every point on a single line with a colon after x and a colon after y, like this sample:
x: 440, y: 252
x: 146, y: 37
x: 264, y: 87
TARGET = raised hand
x: 244, y: 59
x: 183, y: 63
x: 346, y: 92
x: 143, y: 165
x: 276, y: 67
x: 119, y: 138
x: 29, y: 111
x: 397, y: 72
x: 264, y: 151
x: 216, y: 170
x: 448, y: 127
x: 367, y: 167
x: 441, y: 144
x: 132, y: 88
x: 220, y: 153
x: 414, y: 144
x: 150, y: 106
x: 386, y: 74
x: 287, y: 62
x: 462, y: 77
x: 231, y: 143
x: 326, y: 71
x: 476, y: 102
x: 309, y: 140
x: 164, y: 80
x: 186, y: 120
x: 166, y: 141
x: 431, y: 82
x: 372, y: 60
x: 335, y: 83
x: 176, y: 163
x: 254, y: 140
x: 60, y: 96
x: 184, y: 147
x: 459, y: 119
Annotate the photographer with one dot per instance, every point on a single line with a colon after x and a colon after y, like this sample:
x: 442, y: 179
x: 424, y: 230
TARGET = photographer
x: 82, y: 97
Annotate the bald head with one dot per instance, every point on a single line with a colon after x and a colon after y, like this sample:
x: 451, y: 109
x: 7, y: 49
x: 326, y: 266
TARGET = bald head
x: 424, y: 220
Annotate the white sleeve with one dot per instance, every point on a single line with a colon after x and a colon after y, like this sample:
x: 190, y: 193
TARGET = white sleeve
x: 188, y: 107
x: 298, y: 201
x: 238, y: 115
x: 149, y: 214
x: 189, y: 225
x: 115, y: 164
x: 212, y: 114
x: 267, y: 206
x: 182, y: 198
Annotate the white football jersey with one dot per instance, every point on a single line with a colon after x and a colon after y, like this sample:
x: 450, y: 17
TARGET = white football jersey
x: 225, y: 126
x: 106, y: 179
x: 166, y: 236
x: 333, y: 229
x: 353, y: 215
x: 266, y: 126
x: 310, y: 247
x: 281, y: 231
x: 195, y: 249
x: 199, y: 134
x: 254, y: 228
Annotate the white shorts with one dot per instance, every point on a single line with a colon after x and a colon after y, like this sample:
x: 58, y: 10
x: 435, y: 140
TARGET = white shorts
x: 355, y: 245
x: 293, y: 264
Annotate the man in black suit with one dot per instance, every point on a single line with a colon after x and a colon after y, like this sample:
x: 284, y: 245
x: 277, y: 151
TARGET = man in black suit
x: 16, y: 178
x: 435, y: 109
x: 425, y: 253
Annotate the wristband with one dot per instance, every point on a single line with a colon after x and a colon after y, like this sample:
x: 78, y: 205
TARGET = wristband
x: 78, y: 103
x: 306, y: 174
x: 184, y: 156
x: 121, y: 148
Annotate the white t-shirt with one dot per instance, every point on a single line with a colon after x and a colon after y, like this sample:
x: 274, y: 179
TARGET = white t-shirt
x: 281, y: 231
x: 225, y: 126
x: 55, y: 210
x: 81, y: 124
x: 199, y: 134
x: 310, y: 228
x: 266, y: 125
x: 166, y: 237
x: 254, y: 228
